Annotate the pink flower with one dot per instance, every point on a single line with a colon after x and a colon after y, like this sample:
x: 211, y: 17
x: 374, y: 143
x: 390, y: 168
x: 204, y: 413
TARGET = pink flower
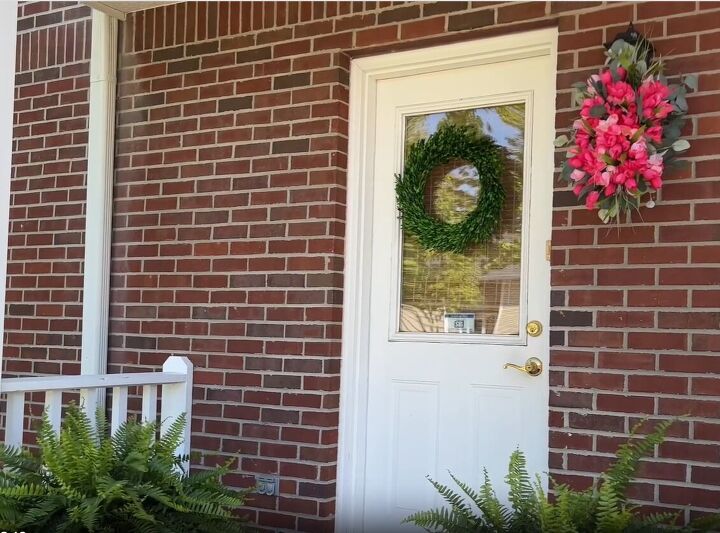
x: 592, y: 200
x: 577, y: 175
x: 620, y: 93
x: 654, y: 133
x: 587, y: 105
x: 653, y: 171
x: 604, y: 179
x: 606, y: 77
x: 577, y: 189
x: 655, y: 102
x: 638, y: 151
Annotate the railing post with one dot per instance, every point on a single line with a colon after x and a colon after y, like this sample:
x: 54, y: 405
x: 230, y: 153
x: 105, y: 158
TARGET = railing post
x: 149, y: 403
x: 14, y: 419
x: 89, y: 399
x: 176, y: 400
x: 53, y: 409
x: 119, y: 408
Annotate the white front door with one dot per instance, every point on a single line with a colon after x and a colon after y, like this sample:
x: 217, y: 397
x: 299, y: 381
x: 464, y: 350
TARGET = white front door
x: 430, y: 333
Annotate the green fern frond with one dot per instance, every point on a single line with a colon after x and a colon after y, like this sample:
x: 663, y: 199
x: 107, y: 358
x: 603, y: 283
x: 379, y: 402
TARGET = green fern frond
x: 85, y: 481
x: 601, y: 509
x: 522, y: 495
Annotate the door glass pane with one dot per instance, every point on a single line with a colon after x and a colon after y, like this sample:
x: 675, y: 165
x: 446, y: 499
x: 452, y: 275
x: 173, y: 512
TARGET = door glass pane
x: 477, y: 291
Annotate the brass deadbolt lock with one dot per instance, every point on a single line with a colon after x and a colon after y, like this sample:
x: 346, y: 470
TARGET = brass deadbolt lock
x: 534, y: 328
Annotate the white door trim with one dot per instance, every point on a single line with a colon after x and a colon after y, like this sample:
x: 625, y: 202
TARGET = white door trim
x: 364, y: 75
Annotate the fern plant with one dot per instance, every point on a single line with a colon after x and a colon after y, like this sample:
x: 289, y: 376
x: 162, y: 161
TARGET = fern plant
x: 603, y: 508
x: 85, y: 480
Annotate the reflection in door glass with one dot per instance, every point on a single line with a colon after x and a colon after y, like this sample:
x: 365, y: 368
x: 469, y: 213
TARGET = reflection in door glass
x: 477, y: 291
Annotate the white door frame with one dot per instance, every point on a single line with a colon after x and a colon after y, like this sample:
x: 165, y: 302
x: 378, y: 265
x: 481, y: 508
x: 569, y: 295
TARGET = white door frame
x: 364, y: 75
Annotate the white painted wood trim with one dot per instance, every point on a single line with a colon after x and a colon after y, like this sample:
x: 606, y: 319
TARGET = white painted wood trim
x: 98, y: 220
x: 107, y: 9
x: 53, y: 408
x: 8, y: 37
x: 176, y: 380
x: 119, y: 408
x: 86, y: 381
x: 364, y: 75
x: 14, y: 419
x: 149, y: 403
x: 176, y: 401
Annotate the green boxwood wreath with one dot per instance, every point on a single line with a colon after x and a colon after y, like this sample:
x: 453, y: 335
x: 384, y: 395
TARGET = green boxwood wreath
x: 447, y: 144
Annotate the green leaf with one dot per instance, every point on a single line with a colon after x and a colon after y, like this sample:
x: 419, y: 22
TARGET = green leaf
x: 681, y: 103
x: 641, y: 67
x: 618, y: 47
x: 598, y: 111
x: 561, y: 140
x: 680, y: 145
x: 578, y: 97
x: 691, y: 81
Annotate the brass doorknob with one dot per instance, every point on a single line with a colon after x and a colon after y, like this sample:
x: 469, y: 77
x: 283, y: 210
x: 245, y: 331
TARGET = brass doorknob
x: 533, y: 366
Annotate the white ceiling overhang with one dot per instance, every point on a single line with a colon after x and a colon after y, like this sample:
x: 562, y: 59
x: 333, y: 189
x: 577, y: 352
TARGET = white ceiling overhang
x: 120, y: 10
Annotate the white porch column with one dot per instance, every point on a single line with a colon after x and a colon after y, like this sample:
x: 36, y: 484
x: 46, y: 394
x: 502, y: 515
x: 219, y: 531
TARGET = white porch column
x: 98, y: 221
x: 8, y: 36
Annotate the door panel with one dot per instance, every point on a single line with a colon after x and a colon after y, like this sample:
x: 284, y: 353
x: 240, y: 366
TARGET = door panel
x: 439, y: 398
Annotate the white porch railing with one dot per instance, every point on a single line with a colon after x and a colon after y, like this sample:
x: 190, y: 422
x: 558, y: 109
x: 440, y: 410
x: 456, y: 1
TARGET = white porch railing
x: 176, y: 380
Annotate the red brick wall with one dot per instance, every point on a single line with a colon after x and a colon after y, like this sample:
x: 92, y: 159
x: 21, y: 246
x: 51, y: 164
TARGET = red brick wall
x: 229, y: 220
x: 636, y: 309
x: 45, y: 256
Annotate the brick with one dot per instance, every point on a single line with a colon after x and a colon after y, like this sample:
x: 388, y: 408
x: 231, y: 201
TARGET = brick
x: 689, y: 276
x: 689, y: 24
x: 596, y: 298
x: 467, y: 21
x: 291, y: 80
x: 290, y: 146
x: 520, y: 11
x: 596, y: 380
x: 186, y: 65
x: 649, y: 10
x: 625, y: 319
x: 438, y: 8
x: 375, y: 36
x: 605, y: 339
x: 664, y: 384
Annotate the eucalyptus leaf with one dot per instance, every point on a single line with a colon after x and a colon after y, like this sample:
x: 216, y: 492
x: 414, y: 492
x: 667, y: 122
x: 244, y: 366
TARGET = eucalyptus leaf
x: 561, y: 140
x: 566, y: 171
x: 691, y: 81
x: 681, y: 103
x: 618, y: 47
x: 670, y: 134
x: 578, y: 97
x: 680, y: 145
